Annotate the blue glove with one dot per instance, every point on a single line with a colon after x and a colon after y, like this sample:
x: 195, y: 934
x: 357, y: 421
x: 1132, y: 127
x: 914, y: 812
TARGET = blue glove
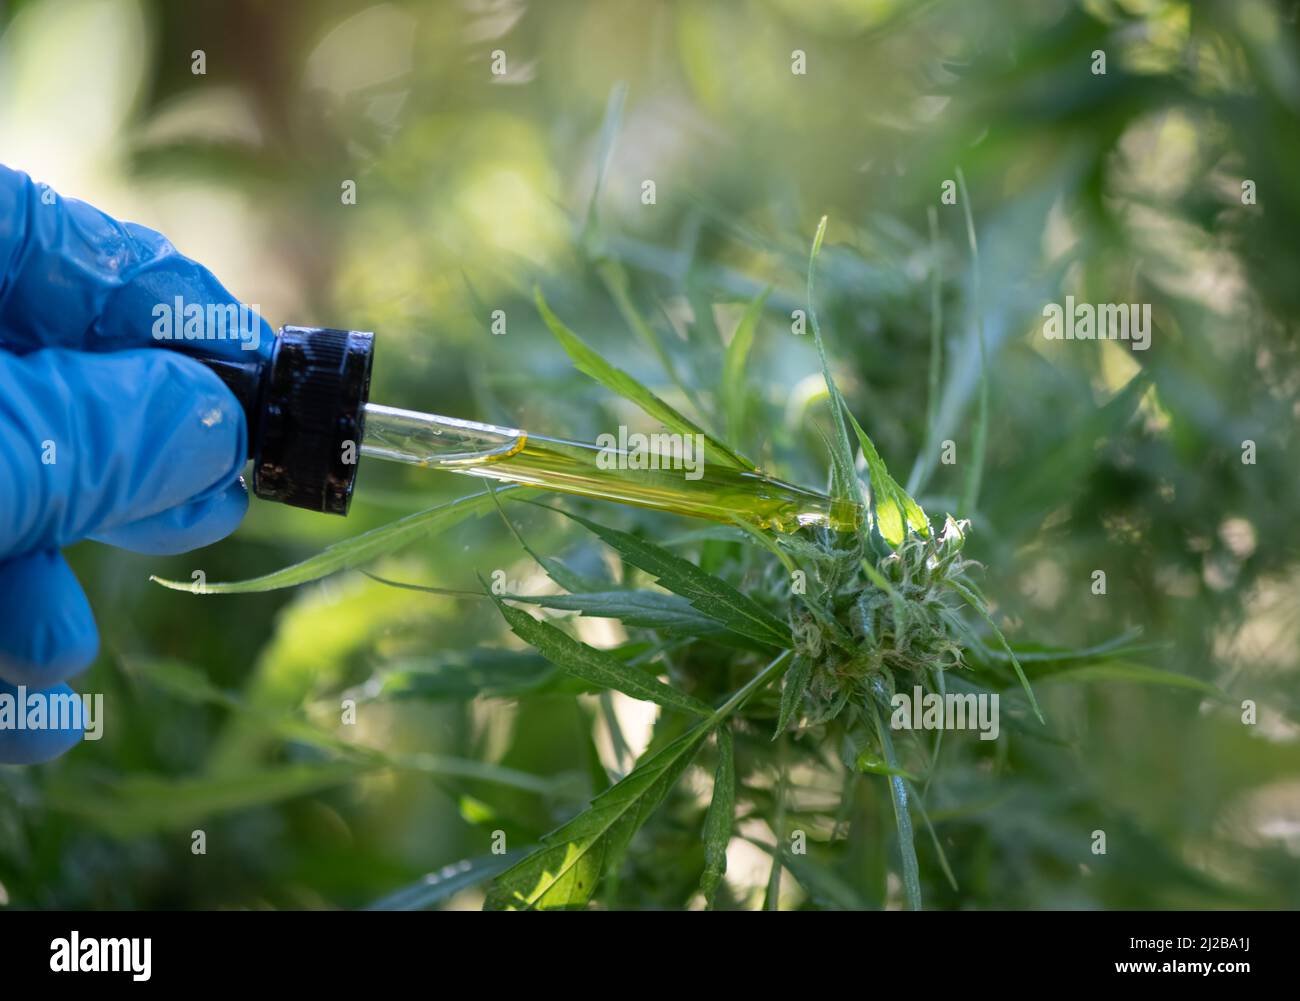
x: 102, y: 435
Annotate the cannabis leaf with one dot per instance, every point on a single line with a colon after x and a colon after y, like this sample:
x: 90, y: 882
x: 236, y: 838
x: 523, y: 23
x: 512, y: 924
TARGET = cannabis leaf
x: 711, y: 595
x: 618, y: 381
x: 565, y: 871
x: 591, y: 665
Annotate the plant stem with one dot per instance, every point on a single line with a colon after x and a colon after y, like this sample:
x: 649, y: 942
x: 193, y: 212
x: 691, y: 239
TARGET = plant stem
x: 742, y: 694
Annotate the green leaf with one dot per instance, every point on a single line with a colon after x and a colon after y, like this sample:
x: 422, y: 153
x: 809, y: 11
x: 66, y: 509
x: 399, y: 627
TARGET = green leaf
x: 1116, y: 647
x: 183, y: 682
x: 353, y: 552
x: 564, y: 872
x: 482, y: 673
x: 934, y: 840
x: 616, y: 380
x: 594, y: 666
x: 845, y: 479
x: 735, y: 383
x: 718, y: 821
x: 972, y: 599
x: 669, y: 613
x: 446, y: 882
x: 555, y: 569
x: 895, y: 509
x: 902, y: 816
x: 608, y: 133
x: 1139, y: 674
x: 710, y: 595
x: 772, y: 895
x: 826, y: 888
x: 616, y: 282
x: 975, y: 468
x: 792, y: 692
x: 141, y: 804
x: 868, y: 761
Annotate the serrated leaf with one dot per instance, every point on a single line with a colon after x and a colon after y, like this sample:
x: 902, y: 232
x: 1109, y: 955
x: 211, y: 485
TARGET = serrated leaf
x: 591, y: 665
x: 718, y: 821
x: 792, y: 692
x: 565, y: 872
x: 895, y: 509
x: 668, y: 613
x: 710, y: 595
x: 352, y: 552
x: 616, y: 380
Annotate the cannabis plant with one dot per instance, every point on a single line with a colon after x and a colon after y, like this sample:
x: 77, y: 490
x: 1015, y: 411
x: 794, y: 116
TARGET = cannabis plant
x: 774, y: 659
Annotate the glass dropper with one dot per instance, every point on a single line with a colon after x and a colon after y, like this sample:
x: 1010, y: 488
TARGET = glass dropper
x: 306, y: 403
x: 679, y: 479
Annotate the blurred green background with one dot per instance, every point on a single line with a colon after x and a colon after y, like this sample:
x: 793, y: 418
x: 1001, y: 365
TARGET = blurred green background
x: 473, y: 187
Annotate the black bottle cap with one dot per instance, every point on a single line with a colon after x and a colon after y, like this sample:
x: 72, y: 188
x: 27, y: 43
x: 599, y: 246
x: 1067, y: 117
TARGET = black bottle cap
x: 305, y: 439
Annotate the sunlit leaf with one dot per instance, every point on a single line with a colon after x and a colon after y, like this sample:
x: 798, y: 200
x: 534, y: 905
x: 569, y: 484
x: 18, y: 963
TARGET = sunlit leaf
x: 896, y: 511
x: 564, y: 872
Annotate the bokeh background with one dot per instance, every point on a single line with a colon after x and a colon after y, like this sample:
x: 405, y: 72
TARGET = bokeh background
x: 471, y: 188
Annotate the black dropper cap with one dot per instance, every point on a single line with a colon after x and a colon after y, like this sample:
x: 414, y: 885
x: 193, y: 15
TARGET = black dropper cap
x: 305, y: 409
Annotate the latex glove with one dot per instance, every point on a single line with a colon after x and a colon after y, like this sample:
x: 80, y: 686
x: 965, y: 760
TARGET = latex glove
x: 102, y: 434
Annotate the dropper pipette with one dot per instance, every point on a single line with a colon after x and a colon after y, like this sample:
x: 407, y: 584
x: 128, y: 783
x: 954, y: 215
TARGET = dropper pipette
x: 665, y: 480
x: 309, y: 420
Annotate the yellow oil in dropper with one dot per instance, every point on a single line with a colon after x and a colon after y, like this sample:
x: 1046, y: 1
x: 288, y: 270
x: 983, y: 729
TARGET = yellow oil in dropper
x: 666, y: 482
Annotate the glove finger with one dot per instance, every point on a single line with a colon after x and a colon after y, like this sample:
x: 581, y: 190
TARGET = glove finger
x: 73, y: 277
x: 47, y: 632
x: 98, y: 441
x: 184, y: 527
x: 30, y: 745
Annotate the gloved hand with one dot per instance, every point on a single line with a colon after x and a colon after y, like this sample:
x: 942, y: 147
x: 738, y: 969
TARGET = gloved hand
x: 102, y: 434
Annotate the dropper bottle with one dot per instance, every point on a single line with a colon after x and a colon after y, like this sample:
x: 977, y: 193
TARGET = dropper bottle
x: 310, y: 419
